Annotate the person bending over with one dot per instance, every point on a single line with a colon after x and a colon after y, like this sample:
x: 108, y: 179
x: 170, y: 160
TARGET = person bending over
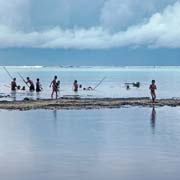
x: 30, y: 82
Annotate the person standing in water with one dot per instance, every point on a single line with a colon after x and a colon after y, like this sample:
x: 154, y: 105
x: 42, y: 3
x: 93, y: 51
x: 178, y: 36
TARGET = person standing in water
x: 13, y: 85
x: 30, y: 82
x: 38, y: 85
x: 75, y: 86
x: 23, y: 88
x: 153, y: 88
x: 58, y: 85
x: 54, y: 87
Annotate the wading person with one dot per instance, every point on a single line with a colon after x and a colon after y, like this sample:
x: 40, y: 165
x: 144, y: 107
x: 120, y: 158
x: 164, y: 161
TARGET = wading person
x: 38, y: 85
x: 75, y: 86
x: 23, y: 88
x: 30, y: 82
x: 18, y: 87
x: 54, y: 87
x: 153, y: 88
x: 88, y: 88
x: 13, y: 85
x: 58, y: 86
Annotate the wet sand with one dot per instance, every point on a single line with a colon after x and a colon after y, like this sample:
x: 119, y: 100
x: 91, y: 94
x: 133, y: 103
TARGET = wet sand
x: 86, y: 103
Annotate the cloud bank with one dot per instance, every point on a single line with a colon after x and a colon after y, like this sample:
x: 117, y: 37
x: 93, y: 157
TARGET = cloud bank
x: 120, y: 23
x: 120, y: 14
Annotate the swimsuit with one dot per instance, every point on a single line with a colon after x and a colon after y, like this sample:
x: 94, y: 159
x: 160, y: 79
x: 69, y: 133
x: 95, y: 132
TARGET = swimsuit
x: 152, y: 88
x: 13, y: 86
x: 75, y: 87
x: 38, y: 89
x: 31, y: 88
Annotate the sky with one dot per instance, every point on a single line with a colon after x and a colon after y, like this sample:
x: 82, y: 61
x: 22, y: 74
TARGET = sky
x: 83, y: 32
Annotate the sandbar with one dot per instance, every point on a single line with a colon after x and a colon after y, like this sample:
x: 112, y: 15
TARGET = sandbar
x: 86, y: 103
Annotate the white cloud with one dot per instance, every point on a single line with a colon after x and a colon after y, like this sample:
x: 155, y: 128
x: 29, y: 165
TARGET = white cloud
x: 65, y: 13
x: 14, y: 13
x: 160, y: 30
x: 120, y: 14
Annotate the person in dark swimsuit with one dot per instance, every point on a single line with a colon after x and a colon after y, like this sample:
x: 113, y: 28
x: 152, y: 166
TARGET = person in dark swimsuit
x: 75, y: 86
x: 153, y: 88
x: 30, y: 82
x: 13, y: 85
x: 54, y: 87
x: 38, y: 85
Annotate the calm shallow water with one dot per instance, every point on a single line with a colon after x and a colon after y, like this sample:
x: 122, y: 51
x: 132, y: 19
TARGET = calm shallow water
x: 167, y: 78
x: 128, y: 143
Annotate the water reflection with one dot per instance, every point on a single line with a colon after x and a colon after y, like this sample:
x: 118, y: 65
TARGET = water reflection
x: 30, y: 93
x: 153, y: 119
x: 55, y: 115
x: 55, y: 120
x: 90, y: 144
x: 13, y: 95
x: 38, y: 95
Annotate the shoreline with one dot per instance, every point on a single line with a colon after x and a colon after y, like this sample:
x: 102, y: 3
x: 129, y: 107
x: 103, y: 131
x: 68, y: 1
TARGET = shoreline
x: 86, y: 103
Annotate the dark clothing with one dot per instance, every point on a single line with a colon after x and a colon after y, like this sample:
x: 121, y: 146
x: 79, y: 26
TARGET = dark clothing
x: 75, y: 87
x: 13, y: 85
x: 31, y: 88
x: 38, y: 87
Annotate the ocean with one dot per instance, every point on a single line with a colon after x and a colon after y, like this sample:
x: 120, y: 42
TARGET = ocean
x: 167, y: 80
x: 127, y: 143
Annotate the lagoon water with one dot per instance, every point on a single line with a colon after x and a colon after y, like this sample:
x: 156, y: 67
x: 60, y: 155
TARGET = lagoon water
x: 167, y: 79
x: 129, y: 143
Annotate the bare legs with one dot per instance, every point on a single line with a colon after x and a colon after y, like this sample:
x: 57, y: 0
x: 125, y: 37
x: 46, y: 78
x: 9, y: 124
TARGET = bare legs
x: 153, y: 95
x: 52, y: 94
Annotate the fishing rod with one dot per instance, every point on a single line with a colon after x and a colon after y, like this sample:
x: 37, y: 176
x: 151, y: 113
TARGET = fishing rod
x: 23, y: 79
x: 8, y: 72
x: 6, y: 86
x: 99, y: 83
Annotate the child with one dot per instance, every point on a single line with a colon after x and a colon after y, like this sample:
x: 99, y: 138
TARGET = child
x: 152, y: 88
x: 23, y: 88
x: 58, y: 85
x: 18, y: 87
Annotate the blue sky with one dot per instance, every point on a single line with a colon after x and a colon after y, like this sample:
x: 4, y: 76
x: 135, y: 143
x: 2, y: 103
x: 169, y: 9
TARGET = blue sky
x: 83, y: 32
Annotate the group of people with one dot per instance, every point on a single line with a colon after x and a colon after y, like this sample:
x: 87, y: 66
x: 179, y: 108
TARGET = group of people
x: 55, y: 84
x: 29, y: 83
